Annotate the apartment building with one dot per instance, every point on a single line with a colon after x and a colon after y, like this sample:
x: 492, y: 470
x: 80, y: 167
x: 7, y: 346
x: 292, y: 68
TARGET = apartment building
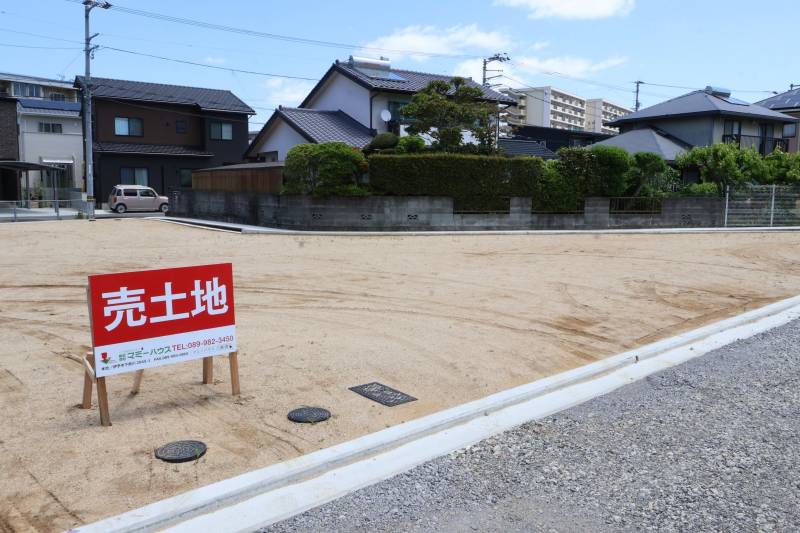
x: 600, y: 112
x: 550, y: 107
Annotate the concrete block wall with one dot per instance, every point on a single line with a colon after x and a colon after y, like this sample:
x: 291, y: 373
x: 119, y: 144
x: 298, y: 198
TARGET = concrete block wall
x: 424, y: 213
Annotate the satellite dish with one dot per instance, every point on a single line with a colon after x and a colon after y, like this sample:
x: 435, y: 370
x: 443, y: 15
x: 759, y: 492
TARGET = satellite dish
x: 386, y: 115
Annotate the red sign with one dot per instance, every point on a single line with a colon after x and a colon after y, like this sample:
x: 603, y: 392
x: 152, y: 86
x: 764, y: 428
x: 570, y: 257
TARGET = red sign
x: 154, y: 317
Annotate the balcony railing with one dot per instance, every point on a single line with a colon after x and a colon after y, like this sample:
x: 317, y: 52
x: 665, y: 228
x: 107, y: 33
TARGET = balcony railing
x: 764, y: 145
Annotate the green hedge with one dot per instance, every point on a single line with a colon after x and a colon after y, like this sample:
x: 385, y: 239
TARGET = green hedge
x: 476, y: 183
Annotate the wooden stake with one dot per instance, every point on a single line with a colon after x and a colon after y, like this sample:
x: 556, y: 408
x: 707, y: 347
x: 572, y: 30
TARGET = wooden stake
x: 208, y: 370
x: 233, y: 358
x: 102, y: 402
x: 88, y: 379
x: 137, y: 381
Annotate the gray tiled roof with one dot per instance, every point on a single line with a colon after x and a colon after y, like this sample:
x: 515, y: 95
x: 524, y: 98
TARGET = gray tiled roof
x: 207, y: 99
x: 414, y: 82
x: 149, y: 149
x: 787, y: 100
x: 514, y: 147
x: 645, y: 140
x: 700, y: 103
x: 327, y: 126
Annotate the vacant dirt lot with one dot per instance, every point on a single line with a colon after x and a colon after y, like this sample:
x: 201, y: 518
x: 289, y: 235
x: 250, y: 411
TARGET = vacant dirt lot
x: 447, y: 319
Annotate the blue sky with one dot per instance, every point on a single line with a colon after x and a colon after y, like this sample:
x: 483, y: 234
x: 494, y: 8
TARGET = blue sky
x: 594, y: 48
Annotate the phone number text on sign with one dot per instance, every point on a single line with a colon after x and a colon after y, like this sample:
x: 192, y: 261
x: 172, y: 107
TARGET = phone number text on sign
x: 158, y: 317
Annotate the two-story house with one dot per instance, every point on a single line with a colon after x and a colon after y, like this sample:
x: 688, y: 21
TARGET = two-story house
x: 46, y: 130
x: 787, y: 103
x: 155, y: 134
x: 701, y: 118
x: 354, y: 101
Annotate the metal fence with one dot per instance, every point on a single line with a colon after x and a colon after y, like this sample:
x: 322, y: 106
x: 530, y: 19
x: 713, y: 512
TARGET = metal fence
x: 634, y: 205
x: 44, y: 210
x: 762, y: 205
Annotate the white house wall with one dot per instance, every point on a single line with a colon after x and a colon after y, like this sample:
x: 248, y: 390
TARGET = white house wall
x: 340, y: 92
x: 67, y: 146
x: 280, y: 138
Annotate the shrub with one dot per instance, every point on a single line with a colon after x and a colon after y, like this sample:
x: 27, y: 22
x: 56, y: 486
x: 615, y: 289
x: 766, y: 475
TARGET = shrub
x: 322, y: 169
x: 718, y: 163
x: 476, y: 183
x: 609, y: 171
x: 701, y: 189
x: 410, y: 144
x: 556, y: 192
x: 383, y: 141
x: 645, y: 166
x: 784, y: 168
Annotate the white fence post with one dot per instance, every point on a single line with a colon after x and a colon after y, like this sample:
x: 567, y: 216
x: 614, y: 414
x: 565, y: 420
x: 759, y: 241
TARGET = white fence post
x: 727, y: 195
x: 772, y: 207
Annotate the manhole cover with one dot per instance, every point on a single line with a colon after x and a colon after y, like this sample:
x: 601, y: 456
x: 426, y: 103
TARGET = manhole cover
x: 309, y: 415
x: 382, y: 394
x: 181, y: 451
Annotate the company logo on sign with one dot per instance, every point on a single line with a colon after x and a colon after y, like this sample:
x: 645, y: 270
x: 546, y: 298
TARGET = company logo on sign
x: 154, y: 317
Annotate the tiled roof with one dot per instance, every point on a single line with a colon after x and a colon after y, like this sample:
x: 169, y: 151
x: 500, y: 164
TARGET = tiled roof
x: 701, y: 103
x: 207, y: 99
x: 149, y: 149
x: 514, y: 147
x: 326, y: 126
x: 410, y: 82
x: 787, y: 100
x: 646, y: 140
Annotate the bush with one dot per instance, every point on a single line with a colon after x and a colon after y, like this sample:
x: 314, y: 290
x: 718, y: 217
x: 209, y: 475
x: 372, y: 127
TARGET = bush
x: 382, y: 141
x: 556, y: 192
x: 608, y: 174
x: 700, y: 189
x: 476, y: 183
x: 410, y: 144
x: 323, y: 169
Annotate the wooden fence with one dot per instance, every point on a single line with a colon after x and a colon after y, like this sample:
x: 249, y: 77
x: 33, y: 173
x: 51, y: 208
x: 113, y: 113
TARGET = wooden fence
x: 240, y: 178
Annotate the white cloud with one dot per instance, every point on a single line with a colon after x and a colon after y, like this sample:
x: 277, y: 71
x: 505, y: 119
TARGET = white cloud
x: 431, y: 39
x: 285, y: 92
x: 531, y: 70
x: 572, y: 9
x: 541, y: 45
x: 214, y: 60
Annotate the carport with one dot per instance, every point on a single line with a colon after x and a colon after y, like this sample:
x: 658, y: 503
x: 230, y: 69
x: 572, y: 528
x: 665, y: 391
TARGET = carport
x: 20, y: 167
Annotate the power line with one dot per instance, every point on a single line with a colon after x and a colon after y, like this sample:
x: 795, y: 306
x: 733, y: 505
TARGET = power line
x: 11, y: 45
x: 274, y: 36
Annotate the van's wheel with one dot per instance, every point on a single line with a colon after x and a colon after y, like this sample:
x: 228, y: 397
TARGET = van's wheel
x: 120, y: 208
x: 164, y: 208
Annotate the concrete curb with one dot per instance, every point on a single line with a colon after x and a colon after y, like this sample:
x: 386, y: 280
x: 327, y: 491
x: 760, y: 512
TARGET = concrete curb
x: 279, y: 491
x: 246, y: 229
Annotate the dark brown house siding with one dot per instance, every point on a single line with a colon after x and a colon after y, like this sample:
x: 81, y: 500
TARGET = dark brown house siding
x: 159, y: 123
x: 9, y: 134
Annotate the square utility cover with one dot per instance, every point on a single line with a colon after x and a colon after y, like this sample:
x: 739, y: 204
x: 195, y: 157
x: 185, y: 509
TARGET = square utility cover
x: 382, y: 394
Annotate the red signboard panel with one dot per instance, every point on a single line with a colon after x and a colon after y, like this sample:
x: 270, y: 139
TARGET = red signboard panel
x: 132, y: 306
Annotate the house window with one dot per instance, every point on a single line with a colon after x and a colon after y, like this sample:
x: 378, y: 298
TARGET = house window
x: 185, y: 175
x: 396, y: 109
x: 221, y: 131
x: 58, y: 97
x: 180, y: 126
x: 133, y: 176
x: 50, y: 127
x: 789, y: 131
x: 732, y: 127
x: 128, y: 127
x: 27, y: 90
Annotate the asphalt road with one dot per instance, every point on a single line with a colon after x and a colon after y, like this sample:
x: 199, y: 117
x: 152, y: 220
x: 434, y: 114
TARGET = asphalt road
x: 713, y: 445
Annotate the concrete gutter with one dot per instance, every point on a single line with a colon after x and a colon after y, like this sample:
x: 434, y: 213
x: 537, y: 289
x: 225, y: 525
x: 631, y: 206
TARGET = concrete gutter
x: 274, y: 493
x: 262, y: 230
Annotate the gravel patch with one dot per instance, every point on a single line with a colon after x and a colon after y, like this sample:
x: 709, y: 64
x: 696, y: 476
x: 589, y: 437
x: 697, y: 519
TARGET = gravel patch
x: 712, y: 445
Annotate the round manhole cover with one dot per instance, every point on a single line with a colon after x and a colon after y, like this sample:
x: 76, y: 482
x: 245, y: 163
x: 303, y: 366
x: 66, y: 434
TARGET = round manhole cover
x: 309, y: 415
x: 181, y: 451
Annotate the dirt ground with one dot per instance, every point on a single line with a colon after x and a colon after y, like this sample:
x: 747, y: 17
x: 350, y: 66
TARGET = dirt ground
x: 446, y: 319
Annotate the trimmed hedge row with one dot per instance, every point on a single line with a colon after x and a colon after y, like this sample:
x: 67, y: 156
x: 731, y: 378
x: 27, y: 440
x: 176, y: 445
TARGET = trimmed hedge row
x: 476, y: 183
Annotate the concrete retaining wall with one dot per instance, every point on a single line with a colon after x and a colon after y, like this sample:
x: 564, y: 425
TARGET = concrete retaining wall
x: 425, y: 213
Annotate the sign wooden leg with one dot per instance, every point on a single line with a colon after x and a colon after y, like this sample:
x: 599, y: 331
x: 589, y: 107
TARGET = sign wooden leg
x: 208, y: 370
x: 102, y: 402
x: 137, y: 381
x: 233, y: 357
x: 88, y: 379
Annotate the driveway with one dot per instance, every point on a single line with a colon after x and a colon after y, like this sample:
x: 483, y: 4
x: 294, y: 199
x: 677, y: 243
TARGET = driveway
x: 712, y: 445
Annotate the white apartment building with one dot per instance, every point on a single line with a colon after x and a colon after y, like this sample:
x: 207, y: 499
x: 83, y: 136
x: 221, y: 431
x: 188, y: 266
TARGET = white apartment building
x: 599, y: 112
x: 553, y: 108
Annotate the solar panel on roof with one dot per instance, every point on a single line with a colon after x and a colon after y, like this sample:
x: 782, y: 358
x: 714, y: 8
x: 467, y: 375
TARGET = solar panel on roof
x: 735, y: 101
x: 379, y: 74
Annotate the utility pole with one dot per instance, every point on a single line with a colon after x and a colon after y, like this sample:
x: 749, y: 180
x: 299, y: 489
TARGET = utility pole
x: 501, y: 58
x: 88, y: 51
x: 637, y: 105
